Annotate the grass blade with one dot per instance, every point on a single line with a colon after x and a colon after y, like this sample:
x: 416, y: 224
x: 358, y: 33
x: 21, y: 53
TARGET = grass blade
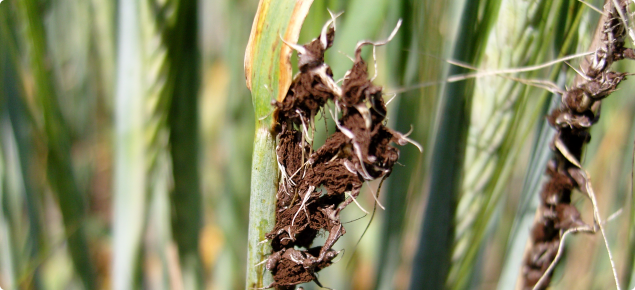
x: 505, y: 119
x: 529, y: 200
x: 628, y: 273
x: 235, y: 137
x: 403, y: 184
x: 268, y: 73
x: 17, y: 136
x: 527, y: 207
x: 60, y: 173
x: 7, y: 247
x: 432, y: 261
x: 183, y: 121
x: 150, y: 41
x: 130, y: 162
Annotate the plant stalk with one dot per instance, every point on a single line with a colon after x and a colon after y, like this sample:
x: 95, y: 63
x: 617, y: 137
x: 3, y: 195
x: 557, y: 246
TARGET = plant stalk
x: 268, y: 74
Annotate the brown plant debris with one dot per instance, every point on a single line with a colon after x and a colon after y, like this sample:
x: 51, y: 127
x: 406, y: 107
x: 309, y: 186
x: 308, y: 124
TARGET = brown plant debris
x: 578, y: 111
x: 315, y: 186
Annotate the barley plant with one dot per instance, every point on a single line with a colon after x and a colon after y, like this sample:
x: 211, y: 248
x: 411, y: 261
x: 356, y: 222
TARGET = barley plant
x: 362, y: 144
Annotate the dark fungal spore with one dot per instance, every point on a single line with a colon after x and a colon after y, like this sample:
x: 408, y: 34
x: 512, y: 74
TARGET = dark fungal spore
x: 578, y: 111
x: 317, y: 185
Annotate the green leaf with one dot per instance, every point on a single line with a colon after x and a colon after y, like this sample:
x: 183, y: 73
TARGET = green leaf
x: 404, y: 184
x: 186, y: 196
x: 268, y: 73
x: 129, y: 192
x: 529, y: 199
x: 525, y: 213
x: 155, y: 115
x: 432, y: 261
x: 60, y: 175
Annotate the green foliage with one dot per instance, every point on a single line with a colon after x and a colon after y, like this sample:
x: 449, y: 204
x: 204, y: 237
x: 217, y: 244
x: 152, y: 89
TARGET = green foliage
x: 59, y: 171
x: 128, y: 148
x: 432, y: 263
x: 268, y: 74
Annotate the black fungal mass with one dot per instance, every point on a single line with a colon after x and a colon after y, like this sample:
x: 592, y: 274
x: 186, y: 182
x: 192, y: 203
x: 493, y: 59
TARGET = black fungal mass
x: 578, y: 111
x: 313, y: 184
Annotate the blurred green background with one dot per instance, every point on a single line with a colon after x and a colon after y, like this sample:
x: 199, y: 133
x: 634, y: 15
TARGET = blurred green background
x: 126, y: 135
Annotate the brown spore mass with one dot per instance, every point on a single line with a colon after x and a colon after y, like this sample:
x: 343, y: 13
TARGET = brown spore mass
x: 317, y: 185
x: 578, y: 111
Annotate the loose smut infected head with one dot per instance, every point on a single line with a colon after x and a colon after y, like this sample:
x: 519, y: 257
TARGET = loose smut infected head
x: 316, y: 186
x: 578, y: 111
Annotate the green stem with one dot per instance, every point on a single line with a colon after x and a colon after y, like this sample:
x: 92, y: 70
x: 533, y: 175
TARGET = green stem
x: 268, y: 71
x: 262, y: 204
